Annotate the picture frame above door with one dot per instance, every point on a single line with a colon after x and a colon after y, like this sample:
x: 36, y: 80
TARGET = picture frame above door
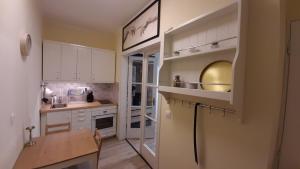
x: 144, y: 27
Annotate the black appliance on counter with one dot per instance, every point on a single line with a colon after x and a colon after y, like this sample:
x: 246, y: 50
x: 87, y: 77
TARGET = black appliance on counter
x: 90, y: 96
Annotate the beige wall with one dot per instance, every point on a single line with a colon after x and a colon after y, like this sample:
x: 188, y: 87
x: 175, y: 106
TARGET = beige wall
x: 293, y: 12
x: 57, y: 31
x: 228, y: 144
x: 118, y: 47
x: 20, y: 77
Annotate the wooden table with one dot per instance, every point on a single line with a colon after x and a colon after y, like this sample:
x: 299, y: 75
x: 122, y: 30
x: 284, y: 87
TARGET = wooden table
x: 60, y: 150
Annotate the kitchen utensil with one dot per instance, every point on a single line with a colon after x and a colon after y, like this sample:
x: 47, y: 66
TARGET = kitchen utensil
x: 190, y: 85
x: 217, y: 76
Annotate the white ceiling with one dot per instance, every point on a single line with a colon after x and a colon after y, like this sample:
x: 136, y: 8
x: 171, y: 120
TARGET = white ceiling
x: 104, y: 15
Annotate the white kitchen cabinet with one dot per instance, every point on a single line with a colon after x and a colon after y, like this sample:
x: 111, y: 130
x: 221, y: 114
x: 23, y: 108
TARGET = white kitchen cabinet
x: 103, y: 66
x: 51, y: 61
x: 81, y: 119
x: 69, y: 62
x: 78, y: 119
x: 84, y: 61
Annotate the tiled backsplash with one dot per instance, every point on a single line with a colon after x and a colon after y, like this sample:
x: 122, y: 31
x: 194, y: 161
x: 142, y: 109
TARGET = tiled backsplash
x: 100, y: 91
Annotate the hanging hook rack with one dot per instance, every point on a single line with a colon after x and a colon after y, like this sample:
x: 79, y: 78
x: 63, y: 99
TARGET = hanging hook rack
x: 203, y: 106
x: 210, y: 107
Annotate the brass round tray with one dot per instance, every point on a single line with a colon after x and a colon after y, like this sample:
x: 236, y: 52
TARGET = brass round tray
x: 217, y: 76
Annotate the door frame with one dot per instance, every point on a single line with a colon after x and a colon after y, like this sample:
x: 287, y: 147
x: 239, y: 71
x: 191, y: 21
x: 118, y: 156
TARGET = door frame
x: 122, y: 98
x: 287, y: 56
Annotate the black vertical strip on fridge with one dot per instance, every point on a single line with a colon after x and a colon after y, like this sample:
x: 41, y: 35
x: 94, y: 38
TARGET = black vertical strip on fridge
x: 195, y: 133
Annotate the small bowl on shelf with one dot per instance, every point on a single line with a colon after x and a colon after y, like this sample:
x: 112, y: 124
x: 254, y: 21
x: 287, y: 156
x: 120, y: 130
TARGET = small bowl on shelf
x: 191, y: 85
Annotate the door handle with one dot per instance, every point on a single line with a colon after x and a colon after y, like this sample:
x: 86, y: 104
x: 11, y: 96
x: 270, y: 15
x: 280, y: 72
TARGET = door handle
x: 195, y: 133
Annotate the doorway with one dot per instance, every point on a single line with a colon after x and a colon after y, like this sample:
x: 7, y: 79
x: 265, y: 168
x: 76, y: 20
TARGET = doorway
x: 142, y: 110
x: 290, y: 149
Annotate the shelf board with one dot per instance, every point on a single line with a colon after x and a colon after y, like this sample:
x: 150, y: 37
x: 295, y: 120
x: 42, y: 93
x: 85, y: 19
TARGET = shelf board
x: 203, y: 18
x: 222, y: 49
x: 224, y: 96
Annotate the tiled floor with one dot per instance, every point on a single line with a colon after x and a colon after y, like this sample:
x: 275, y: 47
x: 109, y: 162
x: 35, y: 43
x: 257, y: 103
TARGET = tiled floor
x: 117, y: 154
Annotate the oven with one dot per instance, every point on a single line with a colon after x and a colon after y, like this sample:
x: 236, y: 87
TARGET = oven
x: 104, y: 119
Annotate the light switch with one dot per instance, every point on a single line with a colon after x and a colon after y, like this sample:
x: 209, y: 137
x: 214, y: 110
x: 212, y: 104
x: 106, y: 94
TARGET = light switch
x: 168, y: 114
x: 12, y: 118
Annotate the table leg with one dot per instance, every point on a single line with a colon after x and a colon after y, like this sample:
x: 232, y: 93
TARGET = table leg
x: 93, y: 161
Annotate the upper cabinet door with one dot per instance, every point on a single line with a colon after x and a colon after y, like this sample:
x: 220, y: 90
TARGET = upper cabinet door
x: 51, y: 61
x: 69, y: 62
x: 84, y: 64
x: 103, y: 66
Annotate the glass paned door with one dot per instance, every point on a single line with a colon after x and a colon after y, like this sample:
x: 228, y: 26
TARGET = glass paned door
x: 150, y: 108
x: 135, y: 72
x: 142, y: 114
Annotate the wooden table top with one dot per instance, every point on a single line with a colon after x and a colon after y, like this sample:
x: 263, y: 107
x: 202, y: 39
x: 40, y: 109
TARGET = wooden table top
x: 55, y: 148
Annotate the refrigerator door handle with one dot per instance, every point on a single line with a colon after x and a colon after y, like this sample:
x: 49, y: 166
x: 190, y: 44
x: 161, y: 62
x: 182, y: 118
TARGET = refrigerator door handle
x: 195, y: 133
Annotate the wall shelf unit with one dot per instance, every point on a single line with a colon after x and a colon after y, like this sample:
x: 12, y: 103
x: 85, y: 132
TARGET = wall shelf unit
x: 190, y: 47
x: 221, y: 49
x: 225, y: 96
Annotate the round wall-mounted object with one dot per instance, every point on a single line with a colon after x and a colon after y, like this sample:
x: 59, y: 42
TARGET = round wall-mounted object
x: 217, y: 76
x: 25, y: 44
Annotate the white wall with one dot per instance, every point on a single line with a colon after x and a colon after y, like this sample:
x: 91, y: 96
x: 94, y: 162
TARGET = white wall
x: 20, y: 77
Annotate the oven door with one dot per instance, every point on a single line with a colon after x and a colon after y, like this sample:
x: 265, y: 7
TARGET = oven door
x: 105, y: 123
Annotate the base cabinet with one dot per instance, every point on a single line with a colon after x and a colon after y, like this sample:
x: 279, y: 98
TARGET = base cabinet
x: 81, y: 119
x: 77, y: 119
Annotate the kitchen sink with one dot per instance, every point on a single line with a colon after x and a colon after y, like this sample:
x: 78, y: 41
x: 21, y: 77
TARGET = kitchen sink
x: 59, y: 105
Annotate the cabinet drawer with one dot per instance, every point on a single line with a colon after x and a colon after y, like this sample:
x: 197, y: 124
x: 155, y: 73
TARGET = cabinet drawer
x: 80, y: 115
x: 58, y: 117
x: 103, y: 111
x: 81, y: 125
x: 81, y: 119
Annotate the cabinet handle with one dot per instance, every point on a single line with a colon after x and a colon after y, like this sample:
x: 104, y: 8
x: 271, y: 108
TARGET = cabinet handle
x: 81, y: 119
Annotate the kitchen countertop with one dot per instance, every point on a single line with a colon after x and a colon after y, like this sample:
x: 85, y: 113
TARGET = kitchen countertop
x: 74, y: 106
